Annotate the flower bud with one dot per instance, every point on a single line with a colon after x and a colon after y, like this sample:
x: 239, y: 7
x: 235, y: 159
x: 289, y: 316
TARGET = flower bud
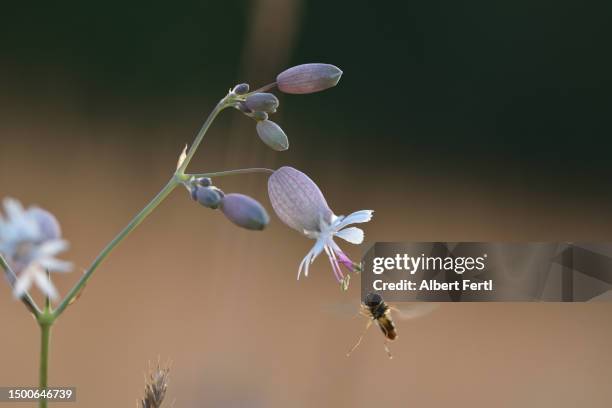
x: 272, y: 135
x: 259, y: 116
x: 243, y: 108
x: 204, y: 181
x: 207, y: 196
x: 241, y: 89
x: 244, y: 211
x: 264, y: 102
x: 308, y: 78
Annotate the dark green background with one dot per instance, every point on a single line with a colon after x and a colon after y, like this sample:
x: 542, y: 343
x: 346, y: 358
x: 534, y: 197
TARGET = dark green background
x: 437, y: 86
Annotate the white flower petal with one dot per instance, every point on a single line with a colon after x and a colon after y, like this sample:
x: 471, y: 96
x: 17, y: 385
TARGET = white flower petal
x: 44, y: 284
x: 304, y: 262
x: 354, y: 218
x: 55, y: 265
x: 334, y: 246
x: 22, y: 285
x: 13, y: 208
x: 353, y: 235
x: 18, y: 226
x: 311, y: 256
x: 307, y: 263
x: 317, y: 249
x: 51, y: 248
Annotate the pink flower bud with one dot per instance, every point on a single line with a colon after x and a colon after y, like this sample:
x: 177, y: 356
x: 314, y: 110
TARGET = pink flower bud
x: 209, y: 197
x: 272, y: 135
x: 241, y: 89
x: 263, y: 102
x: 204, y: 181
x: 244, y: 211
x: 308, y: 78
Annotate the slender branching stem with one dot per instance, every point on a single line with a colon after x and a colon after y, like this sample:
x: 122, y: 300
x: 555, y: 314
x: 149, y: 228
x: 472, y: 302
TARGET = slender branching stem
x: 27, y: 300
x: 228, y: 173
x: 224, y: 103
x: 264, y: 88
x: 177, y: 178
x: 74, y: 292
x: 47, y: 317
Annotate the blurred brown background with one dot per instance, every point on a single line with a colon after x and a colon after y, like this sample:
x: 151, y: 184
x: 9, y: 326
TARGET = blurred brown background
x: 453, y: 121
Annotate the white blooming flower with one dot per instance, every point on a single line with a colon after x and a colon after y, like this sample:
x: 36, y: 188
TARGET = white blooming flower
x: 29, y: 240
x: 299, y: 203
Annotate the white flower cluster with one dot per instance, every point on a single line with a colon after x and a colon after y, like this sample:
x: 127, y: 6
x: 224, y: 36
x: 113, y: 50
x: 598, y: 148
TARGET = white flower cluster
x: 30, y: 240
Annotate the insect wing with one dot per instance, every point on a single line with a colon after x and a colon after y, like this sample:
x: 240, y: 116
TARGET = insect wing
x: 404, y: 311
x: 412, y: 310
x: 343, y: 310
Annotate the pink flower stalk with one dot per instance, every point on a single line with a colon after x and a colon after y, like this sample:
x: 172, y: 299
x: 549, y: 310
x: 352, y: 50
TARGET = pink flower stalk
x: 299, y: 203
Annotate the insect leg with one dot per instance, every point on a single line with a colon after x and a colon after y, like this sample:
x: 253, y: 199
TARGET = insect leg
x: 388, y: 350
x: 362, y: 312
x: 360, y: 338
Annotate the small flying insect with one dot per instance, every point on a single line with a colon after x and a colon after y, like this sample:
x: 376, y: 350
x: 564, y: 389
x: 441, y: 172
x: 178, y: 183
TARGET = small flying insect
x: 376, y: 310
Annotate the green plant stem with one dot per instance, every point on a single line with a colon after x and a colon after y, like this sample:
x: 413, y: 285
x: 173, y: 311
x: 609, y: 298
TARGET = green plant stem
x: 229, y: 173
x: 47, y: 317
x: 224, y: 103
x: 45, y: 333
x: 174, y: 181
x: 74, y: 292
x: 264, y: 88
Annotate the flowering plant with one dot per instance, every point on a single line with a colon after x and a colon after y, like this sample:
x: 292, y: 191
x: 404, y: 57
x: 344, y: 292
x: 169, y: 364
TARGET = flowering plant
x: 31, y: 238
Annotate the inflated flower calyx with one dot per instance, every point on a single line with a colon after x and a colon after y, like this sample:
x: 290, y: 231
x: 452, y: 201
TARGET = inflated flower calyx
x: 241, y: 89
x: 209, y: 197
x: 297, y: 200
x: 47, y: 223
x: 272, y: 135
x: 262, y: 102
x: 244, y: 211
x: 308, y: 78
